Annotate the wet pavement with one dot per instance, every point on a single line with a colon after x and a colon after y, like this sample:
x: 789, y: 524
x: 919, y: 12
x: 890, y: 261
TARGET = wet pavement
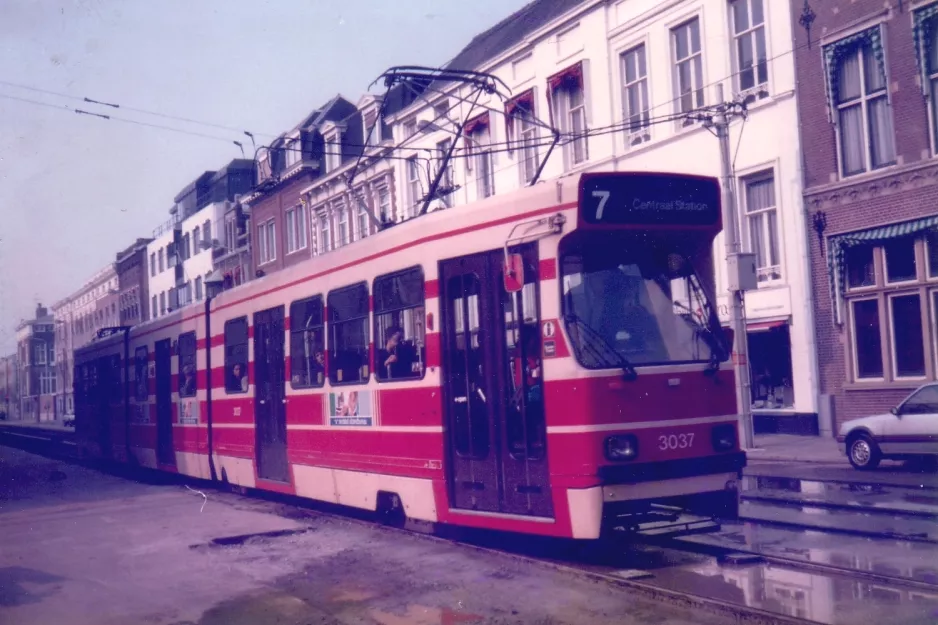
x: 895, y: 474
x: 893, y: 558
x: 87, y: 548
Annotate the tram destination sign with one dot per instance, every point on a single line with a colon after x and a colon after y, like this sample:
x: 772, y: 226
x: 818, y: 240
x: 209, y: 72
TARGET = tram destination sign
x: 646, y: 199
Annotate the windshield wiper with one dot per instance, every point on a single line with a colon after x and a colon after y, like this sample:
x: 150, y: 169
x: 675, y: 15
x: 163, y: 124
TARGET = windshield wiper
x: 628, y: 371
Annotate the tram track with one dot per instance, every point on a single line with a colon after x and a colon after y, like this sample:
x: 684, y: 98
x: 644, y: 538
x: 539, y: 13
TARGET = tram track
x: 613, y: 561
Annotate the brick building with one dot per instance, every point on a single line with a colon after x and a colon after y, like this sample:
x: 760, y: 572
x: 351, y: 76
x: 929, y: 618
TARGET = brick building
x: 280, y: 223
x: 867, y: 82
x: 132, y: 283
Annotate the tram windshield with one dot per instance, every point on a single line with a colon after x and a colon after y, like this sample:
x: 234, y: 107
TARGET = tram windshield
x: 637, y: 303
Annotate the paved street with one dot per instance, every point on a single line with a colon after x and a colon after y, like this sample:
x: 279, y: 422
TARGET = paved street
x: 83, y: 548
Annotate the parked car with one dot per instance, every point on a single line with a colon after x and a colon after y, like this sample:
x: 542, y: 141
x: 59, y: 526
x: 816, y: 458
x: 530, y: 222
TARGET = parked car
x: 910, y: 430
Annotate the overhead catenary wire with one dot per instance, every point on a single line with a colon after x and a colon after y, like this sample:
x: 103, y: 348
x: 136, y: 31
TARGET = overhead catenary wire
x: 132, y: 109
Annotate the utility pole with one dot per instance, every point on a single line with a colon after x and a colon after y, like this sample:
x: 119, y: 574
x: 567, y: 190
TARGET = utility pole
x: 740, y: 266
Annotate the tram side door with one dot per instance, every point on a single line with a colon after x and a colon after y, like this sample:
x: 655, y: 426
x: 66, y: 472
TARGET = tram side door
x: 496, y: 432
x: 469, y: 312
x: 164, y: 403
x: 524, y: 440
x: 270, y: 396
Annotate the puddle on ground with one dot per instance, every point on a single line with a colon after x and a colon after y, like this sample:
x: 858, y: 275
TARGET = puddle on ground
x: 423, y: 615
x: 895, y: 558
x: 829, y: 599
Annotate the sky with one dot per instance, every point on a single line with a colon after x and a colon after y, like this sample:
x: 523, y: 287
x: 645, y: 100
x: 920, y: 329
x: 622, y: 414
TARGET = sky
x: 77, y: 189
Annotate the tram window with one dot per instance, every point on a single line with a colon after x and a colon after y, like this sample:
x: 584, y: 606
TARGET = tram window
x: 185, y: 348
x: 348, y: 335
x: 141, y: 381
x: 525, y: 413
x: 400, y: 335
x: 307, y: 343
x: 236, y: 355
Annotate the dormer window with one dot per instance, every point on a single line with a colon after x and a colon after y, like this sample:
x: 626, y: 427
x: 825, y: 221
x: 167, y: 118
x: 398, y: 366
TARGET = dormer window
x: 333, y: 151
x: 371, y: 128
x: 293, y: 152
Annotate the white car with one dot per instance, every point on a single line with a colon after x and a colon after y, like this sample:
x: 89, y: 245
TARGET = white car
x: 908, y: 431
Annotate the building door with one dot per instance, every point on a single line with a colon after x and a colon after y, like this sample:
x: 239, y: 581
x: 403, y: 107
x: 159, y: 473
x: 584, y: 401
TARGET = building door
x: 496, y: 437
x: 164, y: 404
x: 270, y: 396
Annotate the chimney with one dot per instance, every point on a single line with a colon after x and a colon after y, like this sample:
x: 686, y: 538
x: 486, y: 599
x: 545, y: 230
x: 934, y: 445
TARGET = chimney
x: 40, y: 311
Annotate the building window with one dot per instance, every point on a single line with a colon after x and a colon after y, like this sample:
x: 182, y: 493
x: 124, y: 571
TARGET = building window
x: 863, y: 115
x: 908, y: 342
x: 762, y: 216
x: 155, y: 309
x: 867, y: 339
x: 926, y: 34
x: 635, y: 106
x: 267, y: 242
x: 348, y: 335
x: 294, y: 153
x: 749, y: 51
x: 296, y: 229
x: 163, y: 303
x: 860, y: 269
x: 568, y: 95
x: 39, y: 352
x: 414, y: 192
x: 520, y: 111
x: 371, y: 129
x: 325, y: 240
x: 196, y: 240
x: 333, y: 149
x: 399, y: 330
x: 445, y: 190
x: 152, y: 264
x: 307, y: 343
x: 384, y: 204
x: 888, y: 301
x: 342, y: 234
x: 198, y: 288
x: 362, y: 224
x: 185, y: 350
x: 688, y: 66
x: 899, y: 257
x: 207, y: 233
x: 161, y: 259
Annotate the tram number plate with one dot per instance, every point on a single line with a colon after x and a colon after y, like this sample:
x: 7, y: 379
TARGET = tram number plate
x: 675, y: 441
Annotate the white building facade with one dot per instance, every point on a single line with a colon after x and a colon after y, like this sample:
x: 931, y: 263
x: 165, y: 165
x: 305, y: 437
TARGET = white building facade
x: 161, y: 260
x: 619, y: 80
x: 78, y: 317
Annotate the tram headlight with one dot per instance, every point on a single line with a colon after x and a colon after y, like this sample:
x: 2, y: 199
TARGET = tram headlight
x: 724, y: 437
x: 621, y: 447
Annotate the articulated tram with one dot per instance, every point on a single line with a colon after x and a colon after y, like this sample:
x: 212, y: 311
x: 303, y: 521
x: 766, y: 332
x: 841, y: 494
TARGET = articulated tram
x: 536, y: 362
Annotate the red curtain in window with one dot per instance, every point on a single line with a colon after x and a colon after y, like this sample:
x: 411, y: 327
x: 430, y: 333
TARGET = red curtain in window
x: 479, y: 123
x: 524, y: 102
x: 568, y: 78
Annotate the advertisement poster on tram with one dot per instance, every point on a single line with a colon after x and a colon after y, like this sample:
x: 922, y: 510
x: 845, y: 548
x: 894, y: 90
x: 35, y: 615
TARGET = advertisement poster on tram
x: 351, y: 408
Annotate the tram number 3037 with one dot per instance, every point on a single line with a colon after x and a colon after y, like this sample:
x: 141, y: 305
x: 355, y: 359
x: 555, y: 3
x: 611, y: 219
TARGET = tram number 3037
x: 675, y: 441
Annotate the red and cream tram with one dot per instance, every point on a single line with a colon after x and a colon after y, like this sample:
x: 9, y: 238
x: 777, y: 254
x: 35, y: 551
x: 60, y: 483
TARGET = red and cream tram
x: 532, y: 363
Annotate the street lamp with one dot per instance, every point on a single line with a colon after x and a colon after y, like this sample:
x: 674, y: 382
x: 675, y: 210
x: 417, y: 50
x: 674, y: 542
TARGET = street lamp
x: 213, y: 283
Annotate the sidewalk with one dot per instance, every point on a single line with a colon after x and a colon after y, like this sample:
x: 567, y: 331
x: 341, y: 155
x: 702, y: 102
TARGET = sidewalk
x: 55, y: 426
x: 792, y: 448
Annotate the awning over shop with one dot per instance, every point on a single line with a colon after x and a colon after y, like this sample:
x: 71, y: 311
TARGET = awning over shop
x: 760, y: 325
x: 837, y: 246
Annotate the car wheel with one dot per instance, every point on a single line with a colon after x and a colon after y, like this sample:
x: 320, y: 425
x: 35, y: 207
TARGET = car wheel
x: 862, y: 452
